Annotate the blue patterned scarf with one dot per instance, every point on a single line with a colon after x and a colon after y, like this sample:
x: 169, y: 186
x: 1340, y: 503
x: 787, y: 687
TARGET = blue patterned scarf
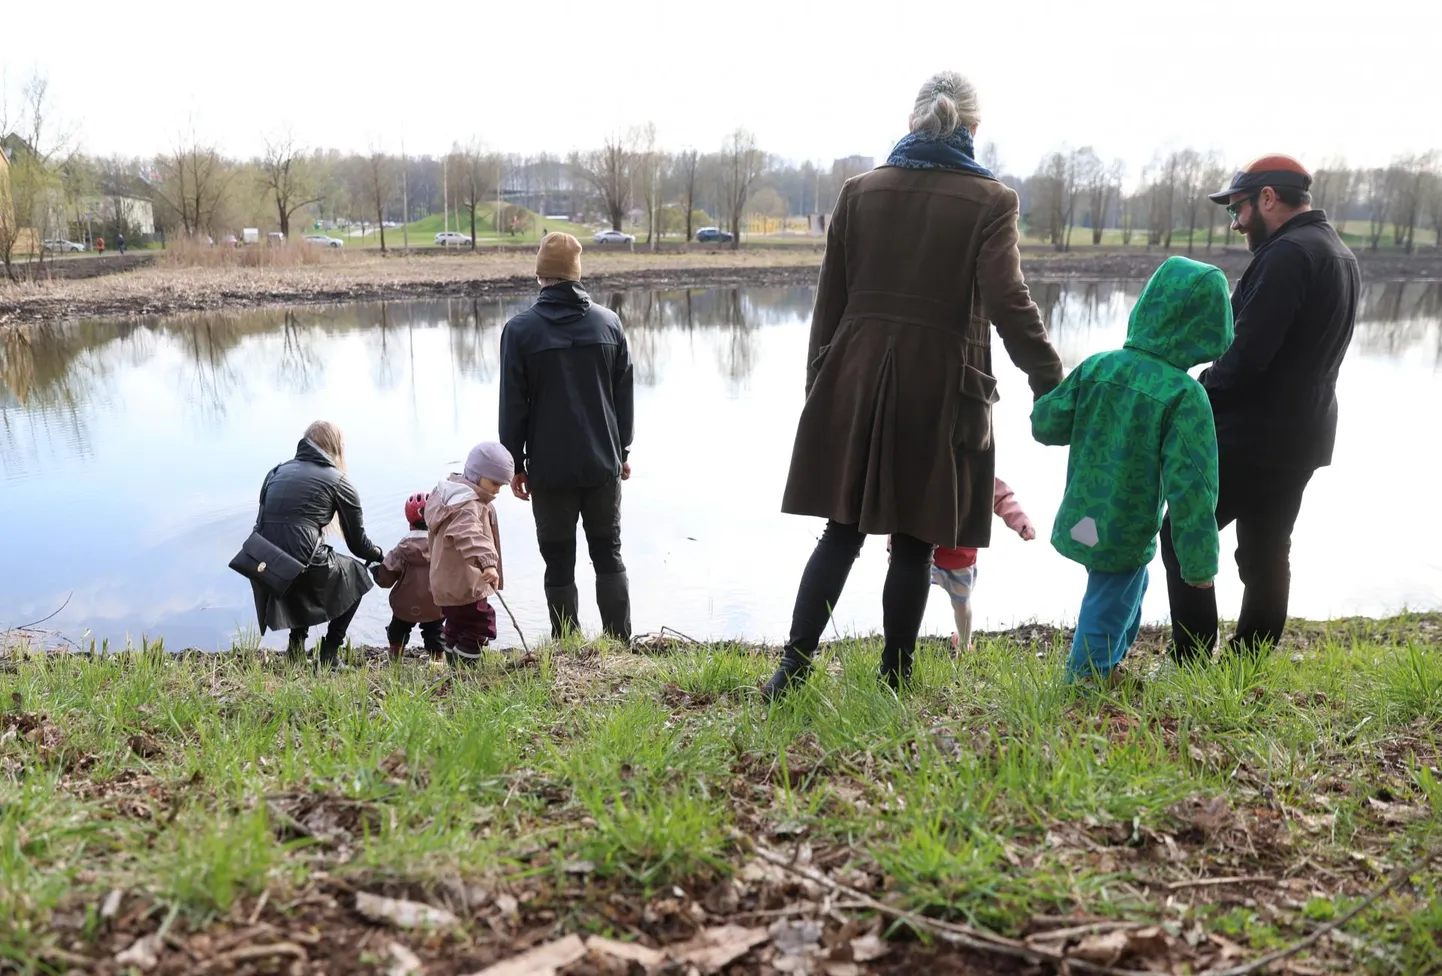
x: 956, y: 151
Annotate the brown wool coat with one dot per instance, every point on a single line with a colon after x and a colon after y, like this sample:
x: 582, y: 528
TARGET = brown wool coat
x: 896, y: 432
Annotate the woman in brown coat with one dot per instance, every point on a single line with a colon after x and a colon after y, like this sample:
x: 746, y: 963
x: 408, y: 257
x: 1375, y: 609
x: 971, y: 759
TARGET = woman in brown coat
x: 895, y: 437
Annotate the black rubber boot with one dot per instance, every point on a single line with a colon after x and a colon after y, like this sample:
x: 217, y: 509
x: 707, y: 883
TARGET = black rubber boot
x: 613, y: 598
x: 563, y: 603
x: 295, y: 648
x: 792, y: 671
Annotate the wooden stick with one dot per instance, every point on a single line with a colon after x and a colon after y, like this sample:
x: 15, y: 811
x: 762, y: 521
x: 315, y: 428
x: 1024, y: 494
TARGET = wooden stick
x: 1257, y: 965
x: 978, y: 940
x: 524, y: 646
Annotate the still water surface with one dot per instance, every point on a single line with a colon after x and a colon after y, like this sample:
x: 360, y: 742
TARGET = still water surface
x: 131, y: 455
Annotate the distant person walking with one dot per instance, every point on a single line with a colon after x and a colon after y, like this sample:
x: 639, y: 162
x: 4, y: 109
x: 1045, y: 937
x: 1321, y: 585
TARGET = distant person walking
x: 1274, y: 395
x: 120, y: 243
x: 895, y: 436
x: 299, y: 500
x: 566, y: 416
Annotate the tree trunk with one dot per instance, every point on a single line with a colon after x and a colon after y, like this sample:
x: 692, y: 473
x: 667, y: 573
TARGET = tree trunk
x: 381, y: 223
x: 473, y: 227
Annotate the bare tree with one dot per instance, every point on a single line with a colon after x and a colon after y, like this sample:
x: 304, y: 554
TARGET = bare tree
x: 1162, y: 193
x: 647, y: 174
x: 743, y: 163
x: 1191, y: 169
x: 610, y: 171
x: 287, y: 177
x: 991, y: 158
x: 32, y: 183
x: 1408, y: 175
x: 688, y: 163
x: 1335, y: 189
x: 1214, y: 177
x: 1379, y: 189
x: 380, y: 188
x: 1096, y: 183
x: 193, y: 179
x: 475, y: 174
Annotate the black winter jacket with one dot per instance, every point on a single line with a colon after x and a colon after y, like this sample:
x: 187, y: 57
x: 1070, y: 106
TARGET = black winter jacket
x: 1274, y: 392
x: 297, y: 501
x: 567, y: 403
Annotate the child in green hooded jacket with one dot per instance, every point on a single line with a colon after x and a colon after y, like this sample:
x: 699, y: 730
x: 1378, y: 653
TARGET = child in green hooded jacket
x: 1141, y: 435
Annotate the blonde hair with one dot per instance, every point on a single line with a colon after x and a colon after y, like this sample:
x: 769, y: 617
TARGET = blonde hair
x: 327, y: 436
x: 946, y: 102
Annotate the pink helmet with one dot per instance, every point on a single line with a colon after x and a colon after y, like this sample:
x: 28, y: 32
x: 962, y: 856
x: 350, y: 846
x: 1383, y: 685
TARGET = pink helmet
x: 416, y: 508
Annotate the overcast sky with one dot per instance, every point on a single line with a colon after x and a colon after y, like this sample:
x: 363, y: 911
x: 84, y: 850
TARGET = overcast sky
x: 812, y: 80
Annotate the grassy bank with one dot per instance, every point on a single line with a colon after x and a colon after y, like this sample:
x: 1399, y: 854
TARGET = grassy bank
x: 244, y: 810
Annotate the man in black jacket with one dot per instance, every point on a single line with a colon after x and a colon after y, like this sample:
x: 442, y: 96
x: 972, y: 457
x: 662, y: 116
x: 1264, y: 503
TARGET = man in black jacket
x: 1274, y: 395
x: 566, y: 417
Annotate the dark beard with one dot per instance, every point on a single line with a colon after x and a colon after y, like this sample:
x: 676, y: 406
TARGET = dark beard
x: 1256, y: 232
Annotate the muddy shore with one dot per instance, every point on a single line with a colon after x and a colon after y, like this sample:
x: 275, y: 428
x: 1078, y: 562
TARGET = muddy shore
x: 143, y: 284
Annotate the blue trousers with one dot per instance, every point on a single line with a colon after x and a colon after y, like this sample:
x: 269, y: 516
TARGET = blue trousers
x: 1106, y: 628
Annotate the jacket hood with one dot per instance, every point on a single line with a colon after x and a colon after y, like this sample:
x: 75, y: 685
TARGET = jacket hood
x: 564, y: 303
x: 307, y: 450
x: 1184, y: 314
x: 452, y: 493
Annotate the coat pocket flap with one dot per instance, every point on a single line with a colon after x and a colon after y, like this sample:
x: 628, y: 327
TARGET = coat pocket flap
x: 977, y: 385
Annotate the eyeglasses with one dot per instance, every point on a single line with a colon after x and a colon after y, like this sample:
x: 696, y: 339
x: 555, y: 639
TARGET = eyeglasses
x: 1233, y: 209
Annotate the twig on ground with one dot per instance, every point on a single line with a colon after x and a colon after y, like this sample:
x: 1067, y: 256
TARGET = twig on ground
x: 673, y: 630
x: 1209, y: 882
x: 978, y: 940
x: 524, y: 646
x: 1257, y: 965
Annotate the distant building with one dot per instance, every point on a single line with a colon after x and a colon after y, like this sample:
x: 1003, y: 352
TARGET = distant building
x: 845, y: 168
x: 137, y: 215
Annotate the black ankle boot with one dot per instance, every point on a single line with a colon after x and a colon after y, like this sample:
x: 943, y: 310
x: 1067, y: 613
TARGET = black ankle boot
x: 792, y: 670
x: 328, y: 658
x: 895, y: 669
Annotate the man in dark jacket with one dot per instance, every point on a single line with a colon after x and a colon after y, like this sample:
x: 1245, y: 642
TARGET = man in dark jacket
x: 566, y: 417
x: 1274, y: 395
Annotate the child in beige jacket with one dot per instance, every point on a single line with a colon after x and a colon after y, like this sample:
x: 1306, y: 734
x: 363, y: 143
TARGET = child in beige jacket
x: 465, y: 543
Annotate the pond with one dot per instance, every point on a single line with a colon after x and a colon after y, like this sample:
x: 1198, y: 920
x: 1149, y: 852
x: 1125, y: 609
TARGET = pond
x: 131, y: 454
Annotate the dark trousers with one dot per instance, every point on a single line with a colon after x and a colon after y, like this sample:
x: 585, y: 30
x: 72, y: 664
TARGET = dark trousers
x: 599, y: 512
x: 334, y: 636
x: 1264, y: 502
x: 469, y: 627
x: 399, y: 633
x: 903, y: 598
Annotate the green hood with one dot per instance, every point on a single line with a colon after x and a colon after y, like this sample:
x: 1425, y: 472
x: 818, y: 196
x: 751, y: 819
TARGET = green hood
x: 1184, y: 314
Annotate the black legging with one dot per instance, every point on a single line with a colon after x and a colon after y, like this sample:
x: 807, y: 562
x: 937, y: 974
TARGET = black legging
x: 903, y: 599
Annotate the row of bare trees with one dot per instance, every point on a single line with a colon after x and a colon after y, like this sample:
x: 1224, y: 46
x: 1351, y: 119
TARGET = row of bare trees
x: 1170, y: 198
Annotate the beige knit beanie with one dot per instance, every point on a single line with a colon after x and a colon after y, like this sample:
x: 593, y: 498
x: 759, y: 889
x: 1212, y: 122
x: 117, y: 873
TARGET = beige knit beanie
x: 559, y: 257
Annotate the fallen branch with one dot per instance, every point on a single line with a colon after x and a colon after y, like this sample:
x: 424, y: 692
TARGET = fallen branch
x: 524, y: 646
x: 1257, y: 965
x: 978, y: 940
x: 256, y: 952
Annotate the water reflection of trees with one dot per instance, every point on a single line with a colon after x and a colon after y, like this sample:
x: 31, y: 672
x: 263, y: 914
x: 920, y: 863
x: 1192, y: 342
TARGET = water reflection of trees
x: 1395, y: 317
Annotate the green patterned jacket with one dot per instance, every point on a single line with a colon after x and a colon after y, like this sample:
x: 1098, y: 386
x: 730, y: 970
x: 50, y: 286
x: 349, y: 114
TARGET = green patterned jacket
x: 1141, y: 431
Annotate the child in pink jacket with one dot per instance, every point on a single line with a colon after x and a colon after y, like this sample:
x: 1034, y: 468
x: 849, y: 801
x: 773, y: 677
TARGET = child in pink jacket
x: 406, y: 572
x: 465, y: 543
x: 954, y: 569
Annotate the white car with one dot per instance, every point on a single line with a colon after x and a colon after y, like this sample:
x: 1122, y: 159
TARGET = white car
x: 450, y: 238
x: 321, y: 240
x: 614, y: 237
x: 62, y: 245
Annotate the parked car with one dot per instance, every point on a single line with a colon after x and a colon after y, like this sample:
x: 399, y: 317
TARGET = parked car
x: 275, y: 237
x: 321, y: 240
x: 614, y: 237
x: 61, y: 245
x: 451, y: 238
x: 713, y: 235
x: 229, y: 241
